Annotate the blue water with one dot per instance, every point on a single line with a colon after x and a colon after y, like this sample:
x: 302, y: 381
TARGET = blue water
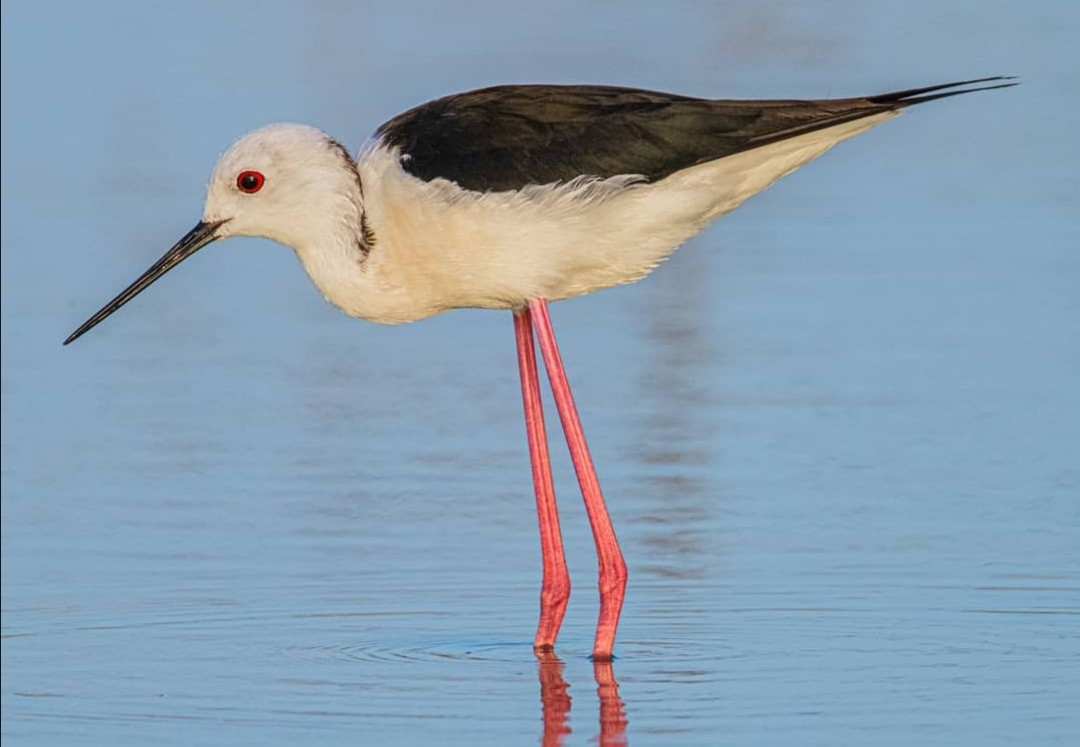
x: 838, y: 432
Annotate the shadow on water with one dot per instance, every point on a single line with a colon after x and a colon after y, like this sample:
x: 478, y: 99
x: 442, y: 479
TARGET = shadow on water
x: 556, y: 702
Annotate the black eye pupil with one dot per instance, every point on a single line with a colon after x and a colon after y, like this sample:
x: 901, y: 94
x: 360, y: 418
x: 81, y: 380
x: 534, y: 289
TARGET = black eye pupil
x: 249, y: 181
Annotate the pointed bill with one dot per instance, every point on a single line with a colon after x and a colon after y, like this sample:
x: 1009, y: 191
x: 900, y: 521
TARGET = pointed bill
x: 202, y: 234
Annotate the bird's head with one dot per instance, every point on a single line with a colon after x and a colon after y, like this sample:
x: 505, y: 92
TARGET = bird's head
x: 289, y: 183
x: 278, y: 181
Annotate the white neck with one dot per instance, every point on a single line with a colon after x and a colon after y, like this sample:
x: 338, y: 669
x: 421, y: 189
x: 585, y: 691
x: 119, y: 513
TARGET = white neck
x: 339, y: 252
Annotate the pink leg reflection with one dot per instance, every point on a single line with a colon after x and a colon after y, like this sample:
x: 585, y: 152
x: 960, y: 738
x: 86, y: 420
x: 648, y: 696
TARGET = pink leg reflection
x: 554, y: 699
x: 612, y: 714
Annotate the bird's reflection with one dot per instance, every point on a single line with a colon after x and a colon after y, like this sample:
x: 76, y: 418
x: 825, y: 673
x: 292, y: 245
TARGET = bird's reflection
x: 612, y: 715
x: 555, y: 701
x: 554, y: 698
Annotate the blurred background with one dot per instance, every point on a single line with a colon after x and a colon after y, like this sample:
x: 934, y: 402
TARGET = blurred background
x: 837, y: 432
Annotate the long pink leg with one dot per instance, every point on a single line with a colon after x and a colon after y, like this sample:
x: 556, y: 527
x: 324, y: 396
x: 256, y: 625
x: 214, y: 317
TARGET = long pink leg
x: 555, y: 587
x: 609, y: 557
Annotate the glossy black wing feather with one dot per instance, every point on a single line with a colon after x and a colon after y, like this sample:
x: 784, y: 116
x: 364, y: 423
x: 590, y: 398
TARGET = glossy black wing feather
x: 506, y: 137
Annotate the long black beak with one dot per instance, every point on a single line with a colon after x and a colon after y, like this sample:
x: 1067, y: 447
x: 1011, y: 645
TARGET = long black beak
x: 202, y: 234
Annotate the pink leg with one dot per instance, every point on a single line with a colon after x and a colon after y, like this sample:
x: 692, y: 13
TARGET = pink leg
x: 609, y: 557
x: 555, y: 588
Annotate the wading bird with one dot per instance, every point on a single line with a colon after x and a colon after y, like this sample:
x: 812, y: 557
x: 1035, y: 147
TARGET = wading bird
x: 510, y: 197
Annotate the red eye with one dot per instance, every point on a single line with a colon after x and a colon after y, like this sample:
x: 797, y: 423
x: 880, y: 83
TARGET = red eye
x: 250, y: 181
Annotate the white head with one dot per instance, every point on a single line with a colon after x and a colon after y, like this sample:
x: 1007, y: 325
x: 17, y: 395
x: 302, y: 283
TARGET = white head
x: 283, y: 182
x: 289, y: 183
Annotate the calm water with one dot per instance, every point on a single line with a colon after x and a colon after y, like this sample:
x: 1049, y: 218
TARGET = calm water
x: 838, y: 432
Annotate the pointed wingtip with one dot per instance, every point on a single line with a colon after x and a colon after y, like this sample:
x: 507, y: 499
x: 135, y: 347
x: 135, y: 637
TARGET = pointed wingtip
x: 910, y: 96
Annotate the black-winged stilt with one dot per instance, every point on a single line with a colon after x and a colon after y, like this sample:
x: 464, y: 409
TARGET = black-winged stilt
x: 510, y: 197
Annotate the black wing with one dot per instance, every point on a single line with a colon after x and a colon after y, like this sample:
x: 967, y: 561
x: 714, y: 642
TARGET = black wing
x: 506, y: 137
